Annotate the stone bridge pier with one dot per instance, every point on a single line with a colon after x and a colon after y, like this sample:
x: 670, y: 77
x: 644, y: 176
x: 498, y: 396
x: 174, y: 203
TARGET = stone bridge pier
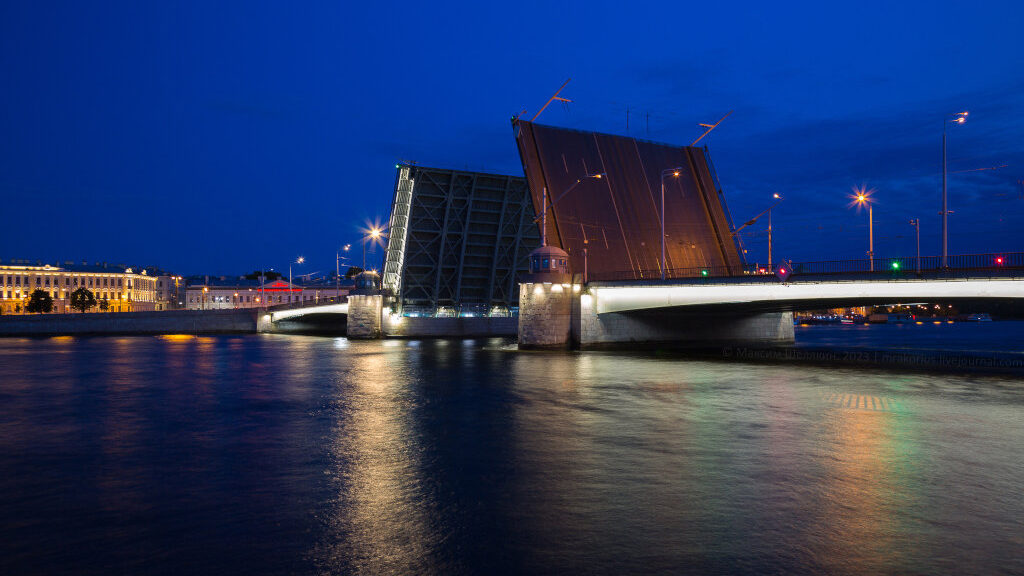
x: 562, y: 316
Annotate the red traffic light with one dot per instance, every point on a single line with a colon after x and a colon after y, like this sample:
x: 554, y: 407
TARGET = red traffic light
x: 999, y: 260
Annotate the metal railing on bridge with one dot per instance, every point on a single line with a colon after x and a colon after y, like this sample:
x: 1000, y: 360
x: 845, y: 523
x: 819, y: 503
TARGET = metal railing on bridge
x: 958, y: 266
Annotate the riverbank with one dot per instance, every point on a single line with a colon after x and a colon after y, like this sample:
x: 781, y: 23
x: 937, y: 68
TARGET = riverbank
x: 241, y: 321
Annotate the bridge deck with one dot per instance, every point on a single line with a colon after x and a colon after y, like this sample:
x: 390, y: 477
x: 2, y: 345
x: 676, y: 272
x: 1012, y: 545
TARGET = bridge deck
x: 278, y: 315
x: 799, y: 295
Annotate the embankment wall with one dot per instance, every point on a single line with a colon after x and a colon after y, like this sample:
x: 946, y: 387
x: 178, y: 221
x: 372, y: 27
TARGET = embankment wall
x: 167, y: 322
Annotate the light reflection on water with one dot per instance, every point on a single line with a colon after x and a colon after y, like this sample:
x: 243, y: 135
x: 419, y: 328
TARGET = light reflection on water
x: 280, y: 454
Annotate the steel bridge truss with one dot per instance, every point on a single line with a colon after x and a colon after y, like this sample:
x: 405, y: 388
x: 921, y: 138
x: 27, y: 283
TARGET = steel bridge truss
x: 458, y: 240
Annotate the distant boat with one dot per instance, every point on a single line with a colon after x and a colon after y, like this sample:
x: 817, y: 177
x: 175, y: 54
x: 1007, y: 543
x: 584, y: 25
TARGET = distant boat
x: 975, y: 318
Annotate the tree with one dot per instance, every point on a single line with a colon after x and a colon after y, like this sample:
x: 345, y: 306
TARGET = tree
x: 82, y: 299
x: 104, y: 305
x: 40, y: 301
x: 352, y: 272
x: 270, y: 274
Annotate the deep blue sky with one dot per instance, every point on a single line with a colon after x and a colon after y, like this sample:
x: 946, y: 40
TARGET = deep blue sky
x: 219, y: 137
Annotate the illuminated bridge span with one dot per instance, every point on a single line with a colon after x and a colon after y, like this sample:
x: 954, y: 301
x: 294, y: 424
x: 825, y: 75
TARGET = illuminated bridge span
x: 798, y: 295
x: 896, y: 268
x: 831, y: 284
x: 755, y: 308
x: 278, y: 315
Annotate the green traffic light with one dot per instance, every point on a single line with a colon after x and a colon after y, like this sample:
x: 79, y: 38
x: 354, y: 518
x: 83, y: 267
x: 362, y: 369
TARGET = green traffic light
x: 703, y: 272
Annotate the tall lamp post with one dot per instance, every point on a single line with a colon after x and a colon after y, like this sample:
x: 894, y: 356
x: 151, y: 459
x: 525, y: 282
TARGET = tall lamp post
x: 291, y: 287
x: 959, y: 118
x: 916, y: 223
x: 262, y: 298
x: 674, y: 172
x: 373, y: 235
x: 337, y: 269
x: 545, y: 205
x: 863, y: 198
x: 778, y: 198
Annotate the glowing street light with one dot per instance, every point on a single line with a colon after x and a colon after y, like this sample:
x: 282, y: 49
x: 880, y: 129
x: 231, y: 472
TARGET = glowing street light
x: 916, y: 223
x: 958, y: 118
x: 373, y: 234
x: 674, y: 172
x: 543, y: 218
x: 291, y: 287
x: 861, y: 198
x: 778, y: 198
x: 337, y: 268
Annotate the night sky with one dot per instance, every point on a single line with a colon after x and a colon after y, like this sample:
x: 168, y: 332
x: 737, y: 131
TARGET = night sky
x: 221, y: 137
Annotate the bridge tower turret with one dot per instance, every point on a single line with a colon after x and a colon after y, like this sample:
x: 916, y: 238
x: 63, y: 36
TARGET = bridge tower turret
x: 546, y: 300
x: 365, y: 306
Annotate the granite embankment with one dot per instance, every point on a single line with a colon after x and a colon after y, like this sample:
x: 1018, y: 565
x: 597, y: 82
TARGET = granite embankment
x: 169, y: 322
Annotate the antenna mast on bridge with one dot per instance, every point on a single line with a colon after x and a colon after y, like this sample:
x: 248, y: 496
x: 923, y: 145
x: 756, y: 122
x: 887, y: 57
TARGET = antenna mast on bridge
x: 552, y: 99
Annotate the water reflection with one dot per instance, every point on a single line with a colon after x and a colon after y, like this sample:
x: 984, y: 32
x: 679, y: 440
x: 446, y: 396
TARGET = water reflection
x: 278, y: 454
x: 380, y: 521
x: 867, y: 488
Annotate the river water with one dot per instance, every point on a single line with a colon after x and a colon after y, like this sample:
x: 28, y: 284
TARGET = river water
x: 278, y: 454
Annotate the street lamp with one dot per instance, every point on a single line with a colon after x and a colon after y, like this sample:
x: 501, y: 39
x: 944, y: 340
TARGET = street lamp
x: 778, y: 198
x: 864, y: 197
x: 337, y: 268
x: 545, y: 204
x: 675, y: 173
x: 959, y: 118
x: 373, y: 235
x: 291, y: 287
x: 916, y: 223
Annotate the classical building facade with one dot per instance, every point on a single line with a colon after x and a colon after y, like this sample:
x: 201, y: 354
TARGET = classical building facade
x: 123, y: 288
x: 223, y: 293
